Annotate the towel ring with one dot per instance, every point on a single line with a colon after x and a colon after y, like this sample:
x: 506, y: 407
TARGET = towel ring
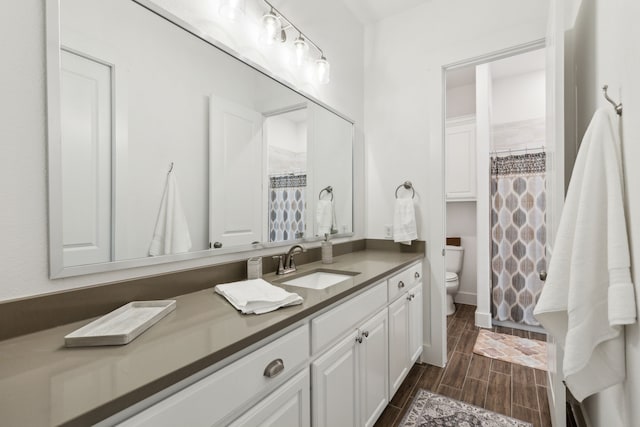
x: 328, y: 189
x: 407, y: 185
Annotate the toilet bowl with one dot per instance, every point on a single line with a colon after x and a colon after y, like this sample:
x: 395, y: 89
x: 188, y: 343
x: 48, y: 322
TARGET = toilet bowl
x: 453, y: 284
x: 455, y: 255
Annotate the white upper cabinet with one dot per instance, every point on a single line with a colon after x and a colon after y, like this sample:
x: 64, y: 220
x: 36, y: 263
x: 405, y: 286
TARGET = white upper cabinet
x: 460, y: 145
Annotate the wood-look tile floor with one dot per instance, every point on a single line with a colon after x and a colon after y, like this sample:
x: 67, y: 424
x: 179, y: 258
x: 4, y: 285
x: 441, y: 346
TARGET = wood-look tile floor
x: 507, y: 388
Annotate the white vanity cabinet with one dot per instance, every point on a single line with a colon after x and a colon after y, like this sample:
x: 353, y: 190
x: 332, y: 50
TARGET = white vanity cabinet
x: 460, y: 154
x: 217, y: 397
x: 349, y: 380
x: 338, y: 368
x: 405, y: 324
x: 288, y: 406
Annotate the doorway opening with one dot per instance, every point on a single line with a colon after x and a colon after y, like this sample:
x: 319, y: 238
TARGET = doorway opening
x: 495, y: 190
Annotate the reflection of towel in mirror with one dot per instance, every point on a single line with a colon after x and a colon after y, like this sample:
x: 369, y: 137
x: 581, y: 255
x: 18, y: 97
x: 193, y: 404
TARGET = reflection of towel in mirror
x: 171, y: 235
x: 404, y: 221
x: 326, y: 217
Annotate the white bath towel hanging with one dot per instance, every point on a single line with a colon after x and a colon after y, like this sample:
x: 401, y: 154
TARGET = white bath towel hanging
x: 171, y: 234
x: 588, y: 295
x: 404, y: 221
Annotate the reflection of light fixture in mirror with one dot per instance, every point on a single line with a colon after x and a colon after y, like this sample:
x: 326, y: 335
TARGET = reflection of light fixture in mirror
x: 271, y: 27
x: 323, y: 70
x: 301, y: 48
x: 232, y: 9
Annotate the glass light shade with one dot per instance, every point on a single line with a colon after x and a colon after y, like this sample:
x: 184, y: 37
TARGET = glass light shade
x: 323, y: 70
x: 271, y: 28
x: 232, y: 9
x: 300, y: 47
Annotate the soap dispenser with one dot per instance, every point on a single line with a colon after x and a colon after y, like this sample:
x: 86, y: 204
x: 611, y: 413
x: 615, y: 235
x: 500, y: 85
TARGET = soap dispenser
x: 327, y: 250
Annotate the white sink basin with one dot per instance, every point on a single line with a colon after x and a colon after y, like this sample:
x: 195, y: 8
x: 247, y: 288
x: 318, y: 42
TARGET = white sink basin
x: 320, y: 279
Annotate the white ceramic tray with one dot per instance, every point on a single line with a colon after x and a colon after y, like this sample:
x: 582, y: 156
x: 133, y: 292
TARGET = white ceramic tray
x: 122, y: 325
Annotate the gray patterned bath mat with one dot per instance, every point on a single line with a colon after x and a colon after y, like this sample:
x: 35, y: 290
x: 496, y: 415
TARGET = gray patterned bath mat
x: 430, y: 409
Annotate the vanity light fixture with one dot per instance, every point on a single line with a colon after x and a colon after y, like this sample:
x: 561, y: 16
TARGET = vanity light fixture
x: 274, y: 29
x: 271, y: 27
x: 301, y: 49
x: 232, y: 9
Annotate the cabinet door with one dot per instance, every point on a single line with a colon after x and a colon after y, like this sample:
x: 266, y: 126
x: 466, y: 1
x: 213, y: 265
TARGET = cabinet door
x: 334, y: 379
x: 461, y: 161
x: 415, y: 322
x: 373, y: 358
x: 398, y: 343
x: 288, y: 406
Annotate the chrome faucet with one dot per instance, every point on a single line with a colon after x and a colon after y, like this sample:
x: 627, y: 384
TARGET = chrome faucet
x: 286, y: 264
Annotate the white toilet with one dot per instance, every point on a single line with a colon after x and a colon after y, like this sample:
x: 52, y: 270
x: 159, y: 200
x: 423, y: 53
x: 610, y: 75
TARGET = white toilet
x: 454, y: 257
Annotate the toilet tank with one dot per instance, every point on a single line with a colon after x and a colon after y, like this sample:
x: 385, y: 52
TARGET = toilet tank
x: 454, y: 257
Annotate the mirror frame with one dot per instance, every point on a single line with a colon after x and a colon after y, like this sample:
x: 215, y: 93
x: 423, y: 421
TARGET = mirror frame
x: 54, y: 154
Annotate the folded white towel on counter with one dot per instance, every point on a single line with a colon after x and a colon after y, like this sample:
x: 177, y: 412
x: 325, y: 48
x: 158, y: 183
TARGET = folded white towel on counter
x: 257, y: 296
x: 404, y: 221
x: 171, y: 234
x: 588, y: 295
x: 325, y: 217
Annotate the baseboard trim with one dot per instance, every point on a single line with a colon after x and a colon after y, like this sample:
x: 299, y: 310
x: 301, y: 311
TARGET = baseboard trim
x: 483, y: 320
x: 468, y: 298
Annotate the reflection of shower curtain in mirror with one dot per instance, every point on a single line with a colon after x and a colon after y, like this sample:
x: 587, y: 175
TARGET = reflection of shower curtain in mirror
x: 286, y: 207
x: 518, y: 235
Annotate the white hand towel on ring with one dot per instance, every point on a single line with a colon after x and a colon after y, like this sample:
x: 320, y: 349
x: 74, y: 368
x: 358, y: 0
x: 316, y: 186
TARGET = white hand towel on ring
x: 404, y: 221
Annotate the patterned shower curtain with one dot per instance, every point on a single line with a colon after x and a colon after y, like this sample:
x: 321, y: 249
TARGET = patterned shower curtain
x: 518, y: 235
x: 286, y: 207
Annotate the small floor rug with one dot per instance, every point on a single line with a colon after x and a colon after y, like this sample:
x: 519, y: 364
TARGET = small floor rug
x: 513, y: 349
x: 430, y: 409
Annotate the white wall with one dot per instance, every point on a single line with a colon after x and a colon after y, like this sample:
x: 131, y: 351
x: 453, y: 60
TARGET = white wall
x: 461, y: 101
x: 405, y: 54
x: 287, y: 145
x: 519, y: 98
x: 461, y: 222
x: 23, y: 179
x: 607, y: 51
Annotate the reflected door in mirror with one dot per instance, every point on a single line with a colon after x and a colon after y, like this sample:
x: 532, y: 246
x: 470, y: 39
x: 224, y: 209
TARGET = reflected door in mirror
x: 86, y: 159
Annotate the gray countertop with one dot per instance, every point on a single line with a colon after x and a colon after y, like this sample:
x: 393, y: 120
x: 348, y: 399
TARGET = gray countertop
x: 42, y: 383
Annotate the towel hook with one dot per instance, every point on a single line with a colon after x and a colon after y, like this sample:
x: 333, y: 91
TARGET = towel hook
x: 328, y: 189
x: 170, y: 168
x: 617, y: 106
x: 408, y: 186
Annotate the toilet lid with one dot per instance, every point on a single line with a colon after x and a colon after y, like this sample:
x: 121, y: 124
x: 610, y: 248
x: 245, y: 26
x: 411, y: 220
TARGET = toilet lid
x: 451, y: 276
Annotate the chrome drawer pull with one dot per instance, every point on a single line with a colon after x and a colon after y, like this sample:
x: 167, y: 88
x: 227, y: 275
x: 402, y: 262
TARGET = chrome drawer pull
x: 401, y: 284
x: 274, y: 368
x: 417, y: 275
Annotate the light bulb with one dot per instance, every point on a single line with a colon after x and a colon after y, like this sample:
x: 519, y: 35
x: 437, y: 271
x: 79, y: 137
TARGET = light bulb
x: 232, y: 9
x: 301, y: 48
x: 271, y: 27
x: 323, y: 70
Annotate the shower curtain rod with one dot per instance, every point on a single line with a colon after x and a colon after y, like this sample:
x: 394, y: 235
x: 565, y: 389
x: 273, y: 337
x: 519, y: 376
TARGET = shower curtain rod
x: 518, y: 150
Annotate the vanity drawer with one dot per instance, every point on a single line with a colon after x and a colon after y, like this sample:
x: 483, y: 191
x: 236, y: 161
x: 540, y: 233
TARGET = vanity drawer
x: 211, y: 399
x: 334, y: 323
x: 402, y: 281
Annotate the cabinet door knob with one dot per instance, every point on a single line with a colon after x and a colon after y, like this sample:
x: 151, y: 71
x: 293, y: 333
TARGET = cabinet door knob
x: 400, y: 284
x: 543, y: 275
x: 274, y: 368
x: 366, y: 334
x: 417, y: 275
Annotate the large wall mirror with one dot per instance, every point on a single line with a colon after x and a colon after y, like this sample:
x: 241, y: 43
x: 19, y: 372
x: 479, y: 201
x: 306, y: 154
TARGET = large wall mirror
x: 164, y: 147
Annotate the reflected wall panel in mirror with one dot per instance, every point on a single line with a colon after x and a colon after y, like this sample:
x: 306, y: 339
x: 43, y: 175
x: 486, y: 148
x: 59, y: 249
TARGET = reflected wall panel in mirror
x: 163, y: 147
